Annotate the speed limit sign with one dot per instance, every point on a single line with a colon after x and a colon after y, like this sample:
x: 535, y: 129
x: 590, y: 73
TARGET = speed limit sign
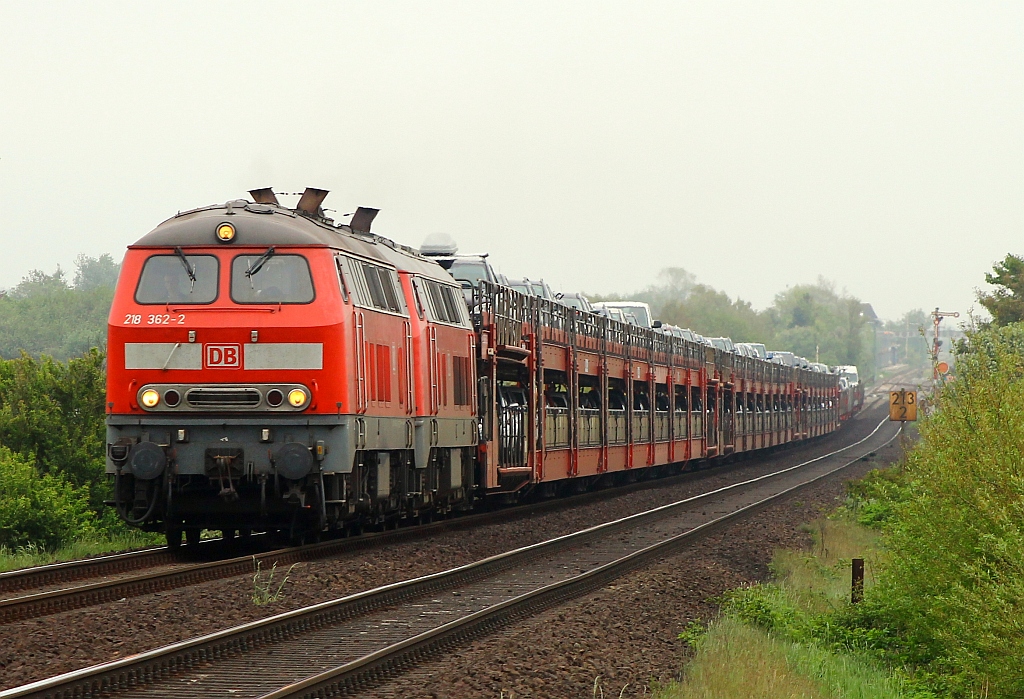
x: 903, y: 406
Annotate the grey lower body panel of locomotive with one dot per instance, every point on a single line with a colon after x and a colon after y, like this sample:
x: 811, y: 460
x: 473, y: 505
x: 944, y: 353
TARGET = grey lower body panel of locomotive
x: 241, y: 473
x: 332, y: 440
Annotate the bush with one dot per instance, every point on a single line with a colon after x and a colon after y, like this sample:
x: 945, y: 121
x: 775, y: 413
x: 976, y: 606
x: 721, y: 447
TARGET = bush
x: 36, y: 511
x: 53, y: 413
x: 52, y: 419
x: 873, y: 499
x: 950, y: 599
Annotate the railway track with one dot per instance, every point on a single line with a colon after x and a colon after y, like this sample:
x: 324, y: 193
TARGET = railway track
x: 908, y: 378
x: 100, y: 566
x: 70, y: 571
x: 183, y: 573
x: 338, y: 647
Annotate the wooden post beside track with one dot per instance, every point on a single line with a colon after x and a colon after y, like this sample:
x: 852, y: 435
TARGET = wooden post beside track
x: 857, y: 581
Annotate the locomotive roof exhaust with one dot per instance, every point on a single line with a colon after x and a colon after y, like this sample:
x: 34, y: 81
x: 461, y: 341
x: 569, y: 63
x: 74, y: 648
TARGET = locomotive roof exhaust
x: 362, y: 219
x: 264, y: 196
x: 311, y: 200
x: 309, y: 204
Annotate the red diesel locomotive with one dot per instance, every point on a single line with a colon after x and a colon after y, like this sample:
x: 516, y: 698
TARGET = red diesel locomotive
x: 270, y: 370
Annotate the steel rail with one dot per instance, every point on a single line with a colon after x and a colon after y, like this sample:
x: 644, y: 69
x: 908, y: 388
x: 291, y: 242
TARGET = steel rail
x: 98, y: 566
x: 67, y: 571
x: 66, y: 599
x: 161, y: 663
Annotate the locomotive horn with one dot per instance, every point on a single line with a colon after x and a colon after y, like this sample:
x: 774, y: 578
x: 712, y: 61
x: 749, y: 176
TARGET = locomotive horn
x: 311, y: 200
x: 264, y: 196
x: 362, y: 219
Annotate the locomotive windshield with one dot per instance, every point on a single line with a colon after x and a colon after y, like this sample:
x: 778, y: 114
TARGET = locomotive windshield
x: 271, y: 278
x: 178, y: 279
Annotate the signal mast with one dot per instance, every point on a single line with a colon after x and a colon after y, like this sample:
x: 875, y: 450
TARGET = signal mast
x: 939, y: 368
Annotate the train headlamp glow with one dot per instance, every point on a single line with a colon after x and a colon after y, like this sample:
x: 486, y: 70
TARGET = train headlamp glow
x: 297, y: 397
x: 149, y: 398
x: 225, y: 232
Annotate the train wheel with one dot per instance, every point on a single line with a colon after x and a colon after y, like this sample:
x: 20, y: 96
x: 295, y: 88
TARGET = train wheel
x: 192, y: 536
x: 174, y: 539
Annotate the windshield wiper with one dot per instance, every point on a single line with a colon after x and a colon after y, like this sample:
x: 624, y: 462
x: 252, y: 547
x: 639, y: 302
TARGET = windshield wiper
x: 258, y: 263
x: 188, y: 268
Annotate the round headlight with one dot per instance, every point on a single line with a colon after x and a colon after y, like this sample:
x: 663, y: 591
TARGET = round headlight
x: 150, y: 398
x: 225, y: 232
x: 274, y: 398
x: 297, y: 397
x: 171, y: 398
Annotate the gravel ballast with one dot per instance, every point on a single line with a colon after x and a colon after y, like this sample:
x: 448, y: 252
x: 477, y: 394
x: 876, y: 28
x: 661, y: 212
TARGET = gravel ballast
x: 622, y: 641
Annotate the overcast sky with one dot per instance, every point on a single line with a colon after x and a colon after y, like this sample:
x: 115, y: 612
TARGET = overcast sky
x: 757, y: 145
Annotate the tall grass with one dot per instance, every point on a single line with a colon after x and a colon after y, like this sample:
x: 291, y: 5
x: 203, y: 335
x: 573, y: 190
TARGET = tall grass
x: 944, y: 603
x: 739, y: 661
x: 819, y: 580
x: 735, y: 660
x: 28, y: 556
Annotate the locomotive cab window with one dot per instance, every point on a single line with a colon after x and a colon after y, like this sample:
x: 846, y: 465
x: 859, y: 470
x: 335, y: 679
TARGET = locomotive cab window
x: 271, y: 278
x: 178, y: 278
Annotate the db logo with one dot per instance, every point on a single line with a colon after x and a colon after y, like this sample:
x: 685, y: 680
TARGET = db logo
x: 223, y: 356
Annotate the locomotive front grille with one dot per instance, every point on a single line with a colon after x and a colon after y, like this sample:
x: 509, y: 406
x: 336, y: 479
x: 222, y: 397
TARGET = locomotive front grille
x: 223, y: 397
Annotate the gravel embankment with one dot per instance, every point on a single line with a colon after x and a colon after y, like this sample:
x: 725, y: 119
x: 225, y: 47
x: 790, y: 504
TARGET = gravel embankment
x: 622, y: 641
x: 39, y: 648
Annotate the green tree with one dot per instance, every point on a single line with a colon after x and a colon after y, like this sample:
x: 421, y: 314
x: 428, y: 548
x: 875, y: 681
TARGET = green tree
x: 814, y: 320
x: 96, y: 272
x: 39, y: 283
x: 809, y: 320
x: 1006, y: 303
x: 712, y: 313
x: 44, y: 315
